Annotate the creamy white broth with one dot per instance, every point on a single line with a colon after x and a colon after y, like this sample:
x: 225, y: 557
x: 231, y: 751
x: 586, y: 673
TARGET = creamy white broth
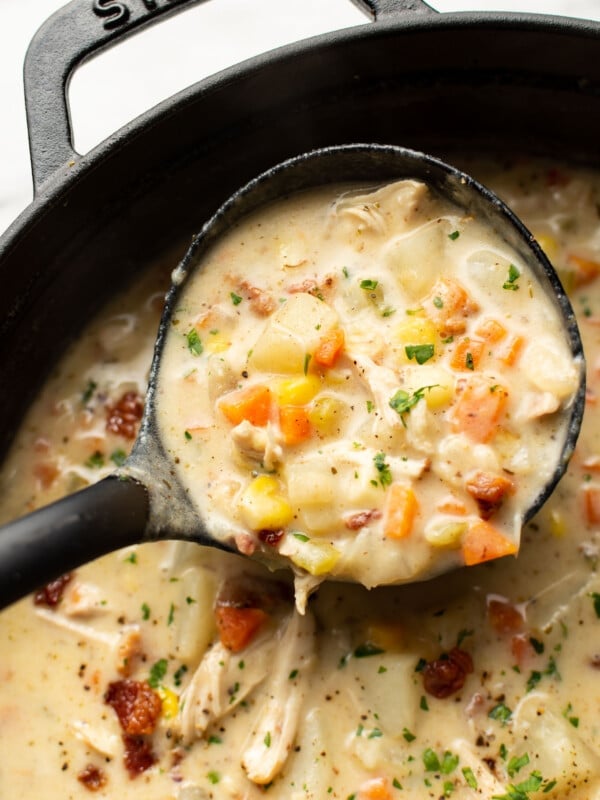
x: 419, y: 440
x: 350, y: 675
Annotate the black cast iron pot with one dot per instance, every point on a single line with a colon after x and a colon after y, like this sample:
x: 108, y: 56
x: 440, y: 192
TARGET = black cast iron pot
x: 452, y: 82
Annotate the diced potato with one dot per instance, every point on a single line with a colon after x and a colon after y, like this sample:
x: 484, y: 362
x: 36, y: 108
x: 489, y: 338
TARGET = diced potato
x: 416, y: 257
x: 327, y: 415
x: 292, y: 333
x: 263, y: 506
x: 550, y: 369
x: 311, y: 483
x: 297, y: 390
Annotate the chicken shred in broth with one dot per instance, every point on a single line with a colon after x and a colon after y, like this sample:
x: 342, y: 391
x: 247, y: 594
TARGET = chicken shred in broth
x: 171, y: 672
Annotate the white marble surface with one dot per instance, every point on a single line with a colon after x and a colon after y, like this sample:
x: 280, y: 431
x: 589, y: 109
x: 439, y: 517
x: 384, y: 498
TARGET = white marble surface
x: 193, y: 44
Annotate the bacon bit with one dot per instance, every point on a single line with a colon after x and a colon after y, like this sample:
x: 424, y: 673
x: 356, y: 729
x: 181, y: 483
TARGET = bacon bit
x: 93, y: 778
x: 355, y: 522
x: 138, y: 755
x: 447, y: 674
x: 261, y: 302
x: 245, y: 543
x: 504, y: 617
x: 52, y: 593
x: 489, y: 491
x: 238, y: 626
x: 129, y: 648
x: 311, y: 286
x: 46, y: 473
x: 272, y: 538
x: 123, y: 417
x: 136, y: 705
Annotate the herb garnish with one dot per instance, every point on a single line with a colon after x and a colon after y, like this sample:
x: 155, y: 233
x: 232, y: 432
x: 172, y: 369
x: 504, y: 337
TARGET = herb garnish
x: 194, y: 342
x: 235, y: 298
x: 385, y: 475
x: 511, y: 283
x: 420, y: 352
x: 158, y: 670
x: 403, y: 401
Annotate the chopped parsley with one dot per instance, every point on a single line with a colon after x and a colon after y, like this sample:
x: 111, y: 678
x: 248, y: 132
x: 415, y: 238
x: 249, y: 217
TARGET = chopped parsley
x: 215, y: 740
x: 470, y: 777
x: 516, y: 764
x: 267, y: 739
x: 131, y: 558
x: 596, y: 601
x: 213, y: 777
x: 194, y: 342
x: 367, y: 649
x: 302, y: 537
x: 307, y: 358
x: 438, y: 302
x: 420, y: 352
x: 469, y: 363
x: 513, y: 275
x: 454, y: 235
x: 187, y: 435
x: 145, y: 611
x: 403, y: 401
x: 376, y: 733
x: 178, y: 676
x: 500, y: 712
x: 293, y: 675
x: 171, y: 615
x: 235, y: 298
x: 96, y: 460
x: 410, y: 737
x: 370, y: 406
x: 158, y: 670
x: 369, y: 285
x: 383, y: 469
x: 423, y: 703
x: 88, y: 392
x: 118, y: 457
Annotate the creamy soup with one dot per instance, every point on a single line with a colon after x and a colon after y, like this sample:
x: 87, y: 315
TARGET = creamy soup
x: 171, y: 672
x: 369, y: 384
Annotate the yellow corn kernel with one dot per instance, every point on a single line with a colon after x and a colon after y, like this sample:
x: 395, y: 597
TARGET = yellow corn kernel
x: 445, y: 534
x: 216, y: 343
x: 296, y: 391
x: 548, y: 244
x: 327, y: 414
x: 169, y: 701
x: 439, y: 396
x: 413, y: 331
x: 388, y: 636
x: 558, y: 524
x: 316, y: 557
x: 263, y: 506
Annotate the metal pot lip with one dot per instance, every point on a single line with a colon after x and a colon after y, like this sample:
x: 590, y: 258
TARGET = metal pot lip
x: 59, y: 185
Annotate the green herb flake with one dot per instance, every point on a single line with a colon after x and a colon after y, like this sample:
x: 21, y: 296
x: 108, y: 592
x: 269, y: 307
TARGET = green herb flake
x: 431, y: 760
x: 145, y: 611
x: 215, y: 740
x: 516, y: 764
x: 369, y: 285
x: 302, y: 537
x: 171, y: 615
x: 469, y: 776
x: 409, y: 737
x: 190, y: 600
x: 381, y: 670
x: 500, y: 712
x: 533, y: 680
x: 396, y: 784
x: 307, y: 358
x: 213, y: 777
x: 267, y: 739
x: 367, y: 649
x: 388, y: 311
x: 194, y: 342
x: 423, y: 703
x: 293, y: 675
x: 448, y: 788
x: 158, y: 670
x: 96, y: 460
x: 513, y: 275
x: 345, y: 272
x: 403, y: 401
x: 383, y: 469
x: 596, y: 602
x: 536, y: 644
x: 420, y: 352
x: 449, y: 763
x: 370, y: 406
x: 118, y: 457
x: 188, y: 436
x: 376, y: 733
x: 88, y: 392
x: 179, y: 673
x: 438, y: 302
x: 131, y: 558
x: 454, y: 235
x: 235, y: 298
x: 469, y: 363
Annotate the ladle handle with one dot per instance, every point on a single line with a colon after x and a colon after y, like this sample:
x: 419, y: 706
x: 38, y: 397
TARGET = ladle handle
x: 57, y: 538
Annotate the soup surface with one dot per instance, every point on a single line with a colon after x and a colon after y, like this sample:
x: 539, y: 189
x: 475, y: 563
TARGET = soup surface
x: 367, y: 384
x: 167, y: 671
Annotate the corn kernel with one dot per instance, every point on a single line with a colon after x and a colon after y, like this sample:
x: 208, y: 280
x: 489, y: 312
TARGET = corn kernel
x: 445, y: 534
x: 558, y: 524
x: 439, y: 396
x: 414, y: 330
x: 169, y: 701
x: 296, y: 391
x: 548, y: 244
x: 316, y: 557
x: 262, y: 505
x: 388, y: 636
x: 327, y: 414
x: 216, y: 343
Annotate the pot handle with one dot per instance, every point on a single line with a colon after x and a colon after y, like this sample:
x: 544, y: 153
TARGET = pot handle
x: 73, y: 34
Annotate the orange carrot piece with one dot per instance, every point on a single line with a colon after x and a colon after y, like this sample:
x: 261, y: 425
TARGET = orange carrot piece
x: 375, y: 789
x: 483, y: 542
x: 329, y: 348
x: 510, y: 350
x: 585, y: 270
x: 448, y: 305
x: 401, y: 507
x: 451, y: 505
x: 253, y: 403
x: 491, y: 330
x: 294, y: 424
x: 591, y: 502
x: 478, y: 409
x: 238, y: 626
x: 467, y: 354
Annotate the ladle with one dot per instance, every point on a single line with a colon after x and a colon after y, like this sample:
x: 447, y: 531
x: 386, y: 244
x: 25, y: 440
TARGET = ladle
x: 144, y: 500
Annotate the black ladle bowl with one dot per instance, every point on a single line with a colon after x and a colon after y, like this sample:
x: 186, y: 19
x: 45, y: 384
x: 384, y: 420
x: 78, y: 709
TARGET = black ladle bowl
x: 144, y: 500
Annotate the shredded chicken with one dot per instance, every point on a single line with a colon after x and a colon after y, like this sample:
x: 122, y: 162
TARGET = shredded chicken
x: 274, y: 732
x: 257, y: 444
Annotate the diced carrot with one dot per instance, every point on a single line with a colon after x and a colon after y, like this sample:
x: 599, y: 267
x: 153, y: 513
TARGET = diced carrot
x: 448, y: 305
x: 375, y: 789
x: 478, y: 409
x: 483, y: 542
x: 401, y: 507
x: 253, y: 403
x: 491, y: 330
x: 585, y: 269
x: 451, y: 505
x: 510, y: 350
x: 489, y: 491
x: 467, y: 354
x: 591, y: 500
x: 329, y: 348
x: 294, y: 424
x: 238, y: 626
